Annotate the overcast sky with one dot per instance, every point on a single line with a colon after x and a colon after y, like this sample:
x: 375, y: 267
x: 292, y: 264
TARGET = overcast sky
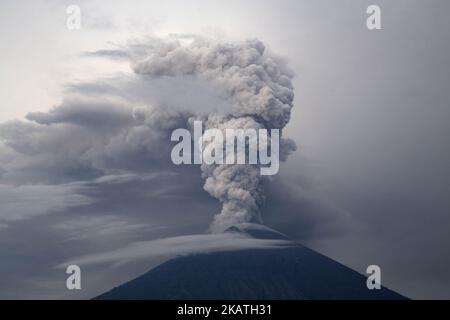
x: 369, y: 183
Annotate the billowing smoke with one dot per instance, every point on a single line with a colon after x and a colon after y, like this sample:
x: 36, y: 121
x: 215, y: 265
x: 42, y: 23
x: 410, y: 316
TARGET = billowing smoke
x: 259, y: 87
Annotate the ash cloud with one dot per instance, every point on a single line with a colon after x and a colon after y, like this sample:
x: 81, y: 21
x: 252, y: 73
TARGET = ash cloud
x: 260, y: 90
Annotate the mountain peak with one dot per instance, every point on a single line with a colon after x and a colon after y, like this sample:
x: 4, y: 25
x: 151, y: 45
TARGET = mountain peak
x: 257, y: 231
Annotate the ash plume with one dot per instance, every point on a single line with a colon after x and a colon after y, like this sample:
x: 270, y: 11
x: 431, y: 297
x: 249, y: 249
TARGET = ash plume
x: 259, y: 87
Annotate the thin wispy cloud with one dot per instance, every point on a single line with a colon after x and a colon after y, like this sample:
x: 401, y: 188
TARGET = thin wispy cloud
x: 175, y: 246
x: 29, y: 201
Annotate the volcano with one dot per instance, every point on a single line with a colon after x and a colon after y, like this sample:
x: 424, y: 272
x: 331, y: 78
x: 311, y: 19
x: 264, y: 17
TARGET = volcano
x: 289, y: 272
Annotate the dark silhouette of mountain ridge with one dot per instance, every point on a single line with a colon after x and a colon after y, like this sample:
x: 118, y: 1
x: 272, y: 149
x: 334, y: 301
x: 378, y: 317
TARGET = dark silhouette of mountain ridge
x: 288, y: 272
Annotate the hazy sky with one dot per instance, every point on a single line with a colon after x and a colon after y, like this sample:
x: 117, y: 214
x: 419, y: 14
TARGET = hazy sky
x: 369, y: 183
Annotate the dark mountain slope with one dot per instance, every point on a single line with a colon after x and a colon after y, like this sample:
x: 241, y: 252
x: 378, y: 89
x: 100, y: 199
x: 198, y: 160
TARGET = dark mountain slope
x: 294, y: 272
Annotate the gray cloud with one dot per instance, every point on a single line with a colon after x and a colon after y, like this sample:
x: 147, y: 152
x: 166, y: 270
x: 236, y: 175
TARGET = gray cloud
x: 28, y: 201
x: 181, y: 245
x: 295, y: 206
x: 93, y: 115
x: 81, y: 140
x: 114, y: 54
x: 98, y: 226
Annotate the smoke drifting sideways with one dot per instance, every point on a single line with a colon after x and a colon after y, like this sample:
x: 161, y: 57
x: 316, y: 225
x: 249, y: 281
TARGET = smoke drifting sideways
x: 261, y: 93
x: 255, y: 84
